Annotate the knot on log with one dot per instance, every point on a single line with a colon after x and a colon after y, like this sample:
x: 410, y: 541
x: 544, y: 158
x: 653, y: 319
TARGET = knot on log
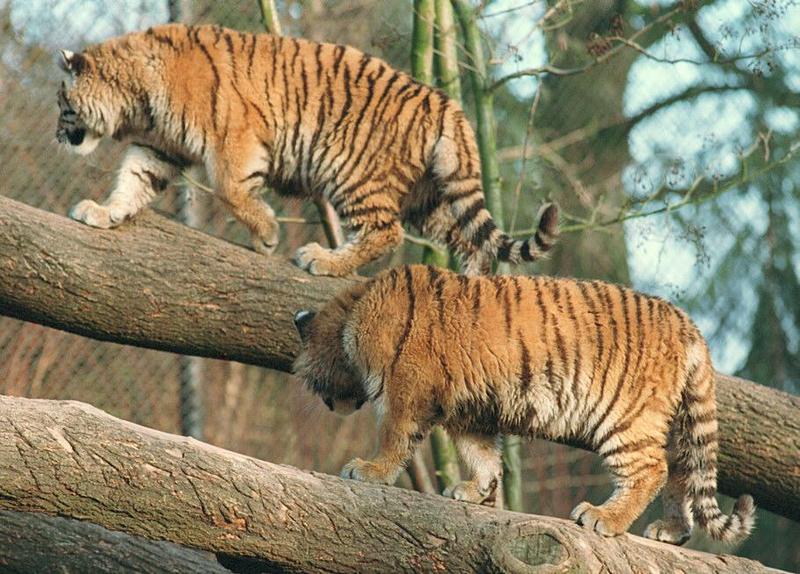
x: 531, y: 548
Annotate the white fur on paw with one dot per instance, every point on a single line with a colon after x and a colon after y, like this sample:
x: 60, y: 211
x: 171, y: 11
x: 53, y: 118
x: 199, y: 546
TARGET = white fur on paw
x: 316, y: 259
x: 358, y: 469
x: 264, y: 248
x: 464, y: 491
x: 667, y: 531
x: 267, y: 244
x: 92, y: 214
x: 591, y: 518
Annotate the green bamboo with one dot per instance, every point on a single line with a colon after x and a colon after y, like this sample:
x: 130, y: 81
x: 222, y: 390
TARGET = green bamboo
x: 422, y: 41
x: 484, y: 108
x: 487, y: 147
x: 446, y: 57
x: 445, y: 459
x: 269, y: 16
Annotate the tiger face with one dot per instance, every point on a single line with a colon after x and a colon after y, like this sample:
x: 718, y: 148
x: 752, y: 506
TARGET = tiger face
x: 323, y: 368
x: 88, y: 106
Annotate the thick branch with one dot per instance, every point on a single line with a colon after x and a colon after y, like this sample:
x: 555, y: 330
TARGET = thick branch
x: 154, y: 283
x: 158, y: 284
x: 68, y: 458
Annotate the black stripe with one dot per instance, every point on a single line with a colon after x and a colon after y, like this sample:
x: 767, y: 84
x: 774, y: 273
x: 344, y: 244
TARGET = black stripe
x: 576, y: 362
x: 251, y: 54
x: 504, y: 251
x: 362, y: 65
x: 525, y: 374
x: 484, y: 232
x: 156, y: 182
x: 623, y: 296
x: 507, y: 308
x: 626, y: 448
x: 317, y: 59
x: 477, y: 294
x: 163, y: 157
x: 216, y: 87
x: 470, y: 213
x: 409, y: 320
x: 338, y: 54
x: 352, y: 210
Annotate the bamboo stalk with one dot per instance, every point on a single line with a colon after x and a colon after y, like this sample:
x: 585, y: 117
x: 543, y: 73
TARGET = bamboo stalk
x: 269, y: 16
x: 484, y: 109
x: 446, y: 56
x: 444, y: 458
x: 487, y: 147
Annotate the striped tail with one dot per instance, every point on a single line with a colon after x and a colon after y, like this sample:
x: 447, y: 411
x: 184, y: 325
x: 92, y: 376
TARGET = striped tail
x: 513, y: 251
x: 699, y: 458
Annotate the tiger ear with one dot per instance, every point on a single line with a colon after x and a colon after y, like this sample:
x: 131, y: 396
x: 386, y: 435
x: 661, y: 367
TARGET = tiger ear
x: 71, y: 62
x: 302, y: 321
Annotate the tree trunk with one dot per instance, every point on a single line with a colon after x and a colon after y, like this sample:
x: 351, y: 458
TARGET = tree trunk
x: 70, y: 459
x: 186, y: 292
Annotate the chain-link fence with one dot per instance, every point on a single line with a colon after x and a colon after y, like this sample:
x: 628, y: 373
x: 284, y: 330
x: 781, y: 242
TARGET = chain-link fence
x: 253, y: 410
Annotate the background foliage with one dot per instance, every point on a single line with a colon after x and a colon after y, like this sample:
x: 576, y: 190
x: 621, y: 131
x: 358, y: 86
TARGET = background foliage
x: 666, y: 131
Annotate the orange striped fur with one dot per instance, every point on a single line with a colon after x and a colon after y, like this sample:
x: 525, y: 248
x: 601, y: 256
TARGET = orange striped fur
x: 622, y: 373
x: 305, y: 118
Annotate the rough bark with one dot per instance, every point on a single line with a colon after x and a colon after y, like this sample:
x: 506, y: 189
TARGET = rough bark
x: 153, y: 283
x: 186, y: 292
x: 70, y: 459
x: 74, y: 546
x: 759, y: 444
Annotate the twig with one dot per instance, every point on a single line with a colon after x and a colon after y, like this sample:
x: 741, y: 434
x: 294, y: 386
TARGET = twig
x: 690, y: 197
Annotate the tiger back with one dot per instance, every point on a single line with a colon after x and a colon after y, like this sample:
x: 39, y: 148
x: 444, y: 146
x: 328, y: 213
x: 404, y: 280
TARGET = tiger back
x: 305, y: 118
x: 626, y: 375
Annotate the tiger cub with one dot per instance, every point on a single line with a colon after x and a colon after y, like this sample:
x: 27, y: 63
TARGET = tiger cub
x: 307, y: 119
x: 626, y: 375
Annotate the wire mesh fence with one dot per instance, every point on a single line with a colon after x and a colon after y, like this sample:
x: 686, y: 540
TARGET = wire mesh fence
x: 253, y: 410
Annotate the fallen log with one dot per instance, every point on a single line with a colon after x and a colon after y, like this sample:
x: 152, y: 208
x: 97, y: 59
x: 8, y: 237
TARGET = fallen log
x: 71, y: 459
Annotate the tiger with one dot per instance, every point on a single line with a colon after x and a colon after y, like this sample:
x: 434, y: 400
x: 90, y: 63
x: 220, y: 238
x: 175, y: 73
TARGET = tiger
x: 306, y: 119
x: 588, y: 363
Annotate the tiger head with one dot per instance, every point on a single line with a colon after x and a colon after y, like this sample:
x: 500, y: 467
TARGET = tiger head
x: 322, y: 364
x: 95, y: 101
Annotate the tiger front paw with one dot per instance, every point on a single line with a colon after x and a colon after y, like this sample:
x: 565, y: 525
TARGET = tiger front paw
x: 93, y: 214
x: 318, y: 260
x: 368, y: 471
x: 670, y: 531
x: 470, y: 491
x: 597, y: 519
x: 266, y: 241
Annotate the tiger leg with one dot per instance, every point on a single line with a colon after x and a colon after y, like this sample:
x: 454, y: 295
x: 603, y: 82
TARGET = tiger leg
x: 676, y: 526
x: 481, y: 455
x: 143, y: 174
x: 399, y: 435
x: 372, y: 216
x: 242, y: 196
x: 441, y: 226
x: 638, y: 476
